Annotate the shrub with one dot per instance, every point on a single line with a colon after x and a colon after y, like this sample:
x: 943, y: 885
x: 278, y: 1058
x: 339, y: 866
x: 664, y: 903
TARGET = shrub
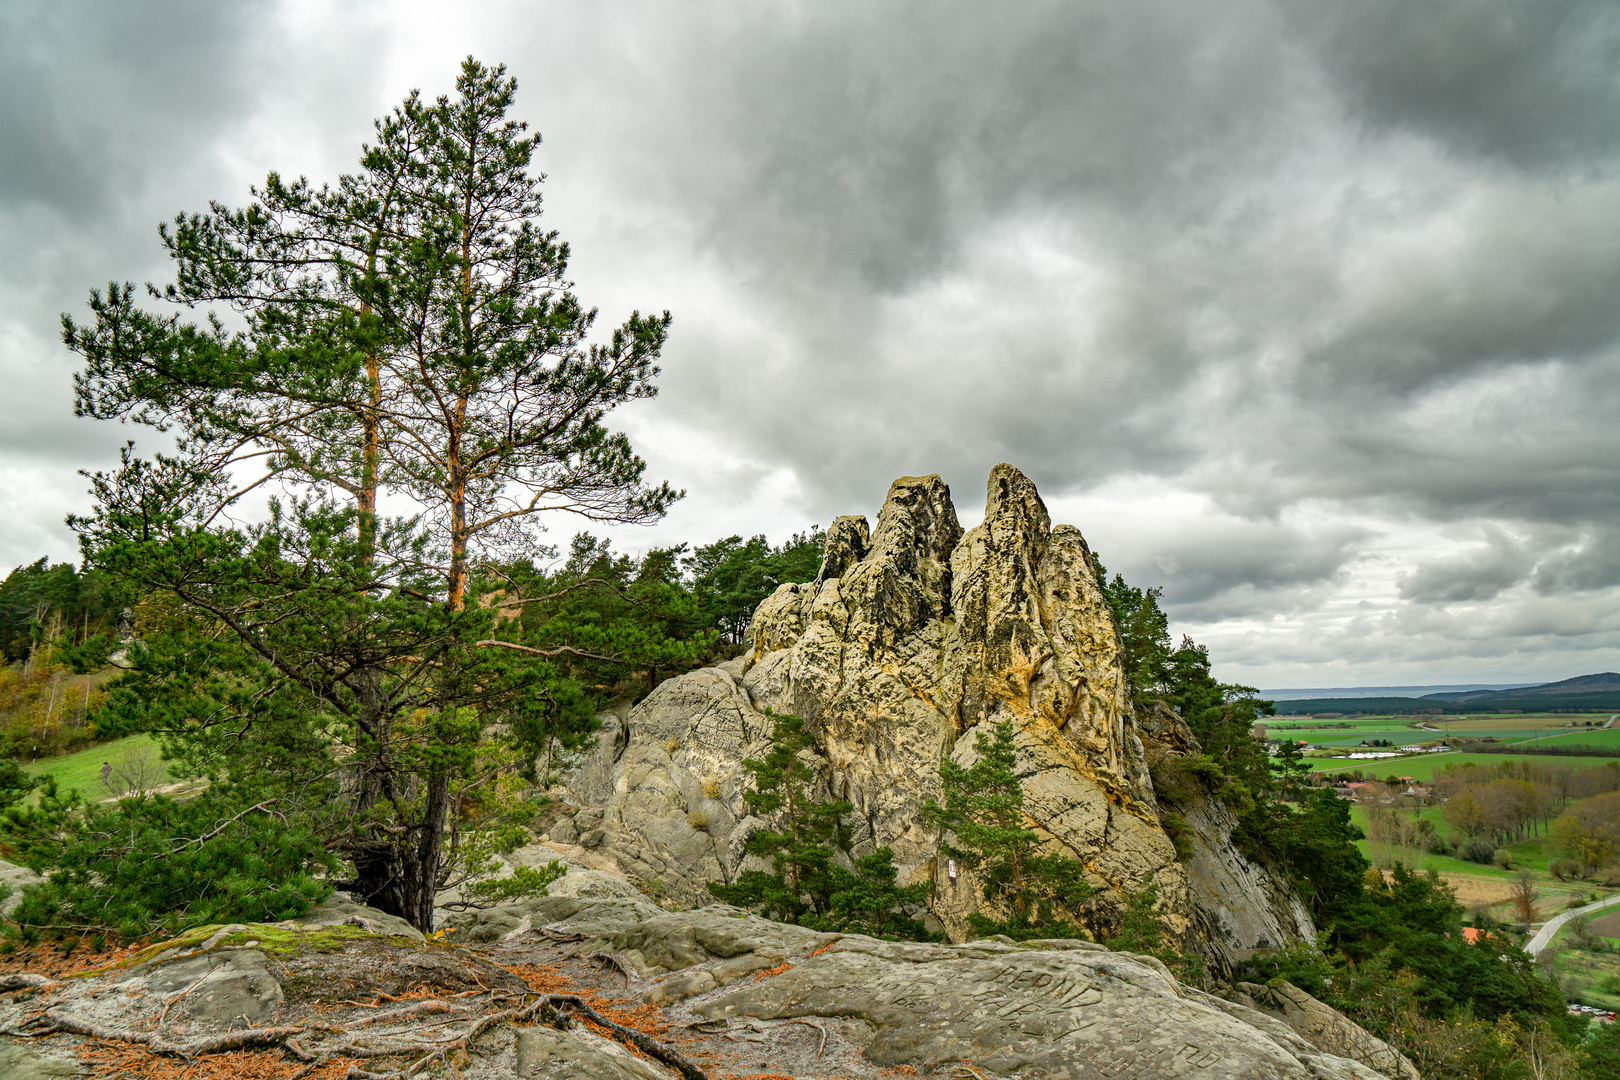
x: 1502, y: 857
x: 698, y: 820
x: 1179, y: 832
x: 150, y: 863
x: 1564, y: 868
x: 524, y: 881
x: 711, y: 789
x: 1438, y: 844
x: 984, y: 807
x: 1477, y: 849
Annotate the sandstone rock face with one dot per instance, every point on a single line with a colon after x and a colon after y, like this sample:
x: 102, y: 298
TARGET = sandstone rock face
x: 915, y: 638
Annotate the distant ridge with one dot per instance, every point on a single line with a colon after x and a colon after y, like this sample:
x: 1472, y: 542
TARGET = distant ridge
x: 1604, y: 682
x: 1584, y: 693
x: 1384, y: 691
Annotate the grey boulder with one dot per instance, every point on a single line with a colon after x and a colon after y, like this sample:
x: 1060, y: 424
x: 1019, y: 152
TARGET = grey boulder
x: 543, y: 1053
x: 17, y: 878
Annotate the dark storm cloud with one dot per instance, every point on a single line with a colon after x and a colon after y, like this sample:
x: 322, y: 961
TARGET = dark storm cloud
x: 94, y: 95
x: 1209, y: 564
x: 1199, y: 159
x: 1531, y: 82
x: 1480, y: 574
x: 1341, y: 274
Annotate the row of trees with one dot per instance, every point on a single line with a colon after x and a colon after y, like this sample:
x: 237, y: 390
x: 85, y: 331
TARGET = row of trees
x: 1588, y: 834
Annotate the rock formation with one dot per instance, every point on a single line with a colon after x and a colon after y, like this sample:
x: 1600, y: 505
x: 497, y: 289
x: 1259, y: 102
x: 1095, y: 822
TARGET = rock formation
x: 913, y: 639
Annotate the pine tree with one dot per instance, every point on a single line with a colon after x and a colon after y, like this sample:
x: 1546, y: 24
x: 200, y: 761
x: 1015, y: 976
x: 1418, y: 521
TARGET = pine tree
x: 984, y: 809
x: 800, y: 883
x: 807, y: 884
x: 870, y: 900
x: 408, y: 332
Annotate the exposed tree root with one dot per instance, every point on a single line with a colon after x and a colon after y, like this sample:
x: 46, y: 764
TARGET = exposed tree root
x: 645, y: 1043
x: 154, y: 1041
x: 556, y: 1008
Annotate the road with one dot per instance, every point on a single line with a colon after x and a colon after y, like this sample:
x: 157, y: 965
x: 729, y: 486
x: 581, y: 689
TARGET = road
x: 1546, y: 933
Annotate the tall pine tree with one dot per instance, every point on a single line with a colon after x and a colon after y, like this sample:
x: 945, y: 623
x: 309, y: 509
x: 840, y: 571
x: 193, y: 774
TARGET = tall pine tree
x: 409, y: 332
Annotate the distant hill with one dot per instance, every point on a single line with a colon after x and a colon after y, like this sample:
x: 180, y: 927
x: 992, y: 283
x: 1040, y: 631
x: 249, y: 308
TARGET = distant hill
x: 1604, y: 682
x: 1585, y: 693
x: 1296, y: 693
x: 1395, y: 706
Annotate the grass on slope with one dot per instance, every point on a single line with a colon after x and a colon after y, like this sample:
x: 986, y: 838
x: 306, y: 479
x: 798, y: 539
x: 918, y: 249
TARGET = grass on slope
x: 83, y: 769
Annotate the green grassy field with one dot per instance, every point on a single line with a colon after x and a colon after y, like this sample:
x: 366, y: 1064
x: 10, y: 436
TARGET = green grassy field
x: 83, y: 769
x: 1610, y: 737
x: 1424, y: 766
x: 1548, y: 723
x: 1591, y: 975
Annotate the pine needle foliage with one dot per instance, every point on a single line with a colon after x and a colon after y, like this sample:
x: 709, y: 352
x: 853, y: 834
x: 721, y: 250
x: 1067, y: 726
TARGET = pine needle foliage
x: 802, y: 849
x: 984, y: 809
x: 152, y: 863
x: 806, y: 883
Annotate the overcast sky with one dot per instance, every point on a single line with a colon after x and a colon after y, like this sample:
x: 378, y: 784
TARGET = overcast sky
x: 1307, y: 311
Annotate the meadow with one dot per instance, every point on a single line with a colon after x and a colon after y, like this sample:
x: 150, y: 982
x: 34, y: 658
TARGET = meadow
x: 82, y: 770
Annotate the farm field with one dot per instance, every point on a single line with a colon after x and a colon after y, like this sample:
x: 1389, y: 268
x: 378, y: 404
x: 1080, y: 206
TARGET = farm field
x: 1454, y: 723
x: 1424, y: 766
x: 1588, y: 971
x: 1608, y: 737
x: 1405, y: 736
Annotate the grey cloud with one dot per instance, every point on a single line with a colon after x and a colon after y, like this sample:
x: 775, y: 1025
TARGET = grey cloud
x: 1592, y: 563
x: 1480, y: 574
x: 863, y: 158
x: 93, y: 95
x: 1527, y: 81
x: 1203, y: 566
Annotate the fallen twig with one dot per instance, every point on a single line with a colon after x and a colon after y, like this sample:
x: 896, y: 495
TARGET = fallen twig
x: 645, y: 1043
x: 817, y: 1027
x: 176, y: 997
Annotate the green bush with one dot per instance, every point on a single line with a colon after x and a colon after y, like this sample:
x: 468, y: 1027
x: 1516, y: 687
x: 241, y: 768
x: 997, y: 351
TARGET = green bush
x: 806, y: 883
x: 1478, y: 849
x: 150, y: 863
x: 984, y: 809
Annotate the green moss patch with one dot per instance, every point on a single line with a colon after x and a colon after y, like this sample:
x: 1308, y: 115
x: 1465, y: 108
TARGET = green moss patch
x: 272, y: 940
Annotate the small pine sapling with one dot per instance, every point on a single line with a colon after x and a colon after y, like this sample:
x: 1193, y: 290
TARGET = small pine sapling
x: 984, y: 808
x: 800, y: 883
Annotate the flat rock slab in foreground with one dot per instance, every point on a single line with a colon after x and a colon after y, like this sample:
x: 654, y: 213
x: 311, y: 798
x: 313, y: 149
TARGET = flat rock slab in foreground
x: 1043, y: 1012
x: 1049, y: 1010
x: 736, y: 995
